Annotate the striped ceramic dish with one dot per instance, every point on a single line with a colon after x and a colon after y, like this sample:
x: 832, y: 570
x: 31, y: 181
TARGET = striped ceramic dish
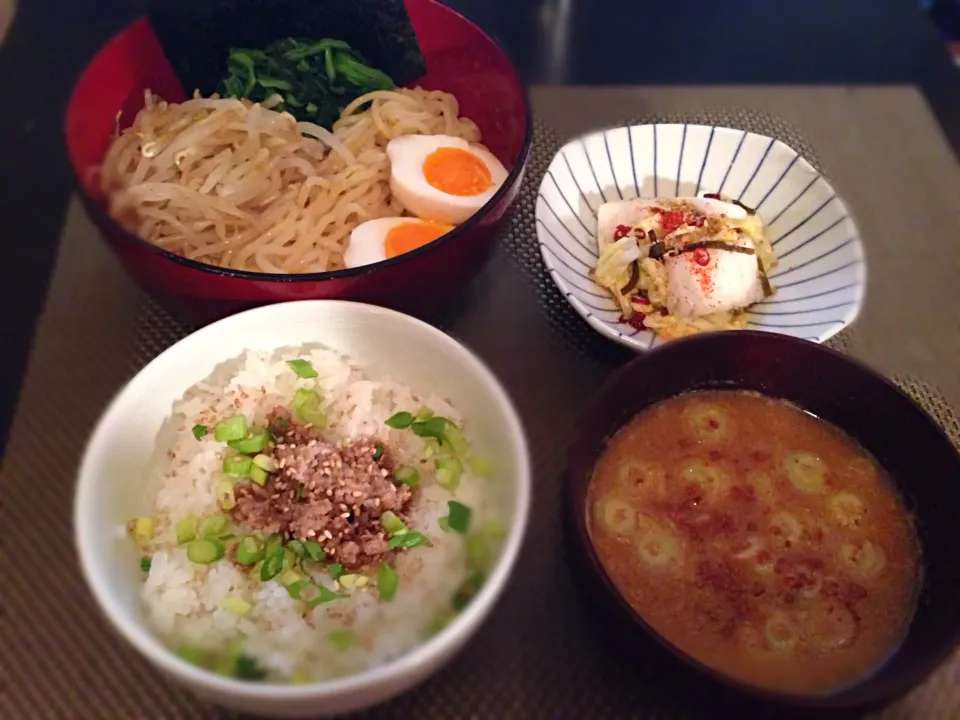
x: 821, y: 278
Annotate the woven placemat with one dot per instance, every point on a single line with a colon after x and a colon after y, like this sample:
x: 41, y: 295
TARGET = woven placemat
x: 536, y: 657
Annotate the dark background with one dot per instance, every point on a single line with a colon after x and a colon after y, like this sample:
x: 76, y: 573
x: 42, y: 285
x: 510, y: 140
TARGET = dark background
x: 552, y: 41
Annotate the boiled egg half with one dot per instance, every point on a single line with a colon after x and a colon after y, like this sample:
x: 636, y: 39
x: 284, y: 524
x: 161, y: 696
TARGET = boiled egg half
x: 442, y: 178
x: 376, y: 240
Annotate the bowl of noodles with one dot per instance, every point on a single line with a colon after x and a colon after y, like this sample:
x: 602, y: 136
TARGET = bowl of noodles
x: 372, y: 157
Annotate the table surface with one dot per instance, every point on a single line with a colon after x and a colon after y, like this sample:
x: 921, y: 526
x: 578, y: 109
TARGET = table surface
x: 552, y: 41
x: 516, y: 667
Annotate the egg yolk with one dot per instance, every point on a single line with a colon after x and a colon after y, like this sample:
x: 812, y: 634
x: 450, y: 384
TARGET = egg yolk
x: 409, y: 236
x: 456, y: 171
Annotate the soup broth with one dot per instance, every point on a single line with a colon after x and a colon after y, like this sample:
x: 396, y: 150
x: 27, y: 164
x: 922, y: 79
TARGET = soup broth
x: 756, y: 538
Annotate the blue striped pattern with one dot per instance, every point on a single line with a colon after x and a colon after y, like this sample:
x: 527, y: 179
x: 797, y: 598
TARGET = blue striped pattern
x: 821, y: 277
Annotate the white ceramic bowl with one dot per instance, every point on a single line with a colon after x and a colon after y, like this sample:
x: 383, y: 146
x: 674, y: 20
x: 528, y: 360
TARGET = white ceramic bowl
x: 382, y: 341
x: 821, y: 278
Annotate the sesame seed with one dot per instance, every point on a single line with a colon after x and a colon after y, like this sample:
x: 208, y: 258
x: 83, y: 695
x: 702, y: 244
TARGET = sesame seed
x: 311, y: 533
x: 357, y: 493
x: 328, y: 535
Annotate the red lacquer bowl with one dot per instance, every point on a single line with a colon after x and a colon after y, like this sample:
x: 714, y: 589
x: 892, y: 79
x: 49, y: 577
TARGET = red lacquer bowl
x: 460, y: 58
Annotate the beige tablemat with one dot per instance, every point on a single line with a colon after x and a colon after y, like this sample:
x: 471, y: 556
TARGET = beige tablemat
x: 58, y: 659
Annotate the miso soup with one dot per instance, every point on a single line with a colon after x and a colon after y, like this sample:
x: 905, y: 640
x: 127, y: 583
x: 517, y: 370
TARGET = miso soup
x: 756, y: 538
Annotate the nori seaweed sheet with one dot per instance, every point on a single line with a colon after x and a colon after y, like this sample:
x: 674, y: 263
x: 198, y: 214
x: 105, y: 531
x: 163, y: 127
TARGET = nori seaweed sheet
x: 196, y: 35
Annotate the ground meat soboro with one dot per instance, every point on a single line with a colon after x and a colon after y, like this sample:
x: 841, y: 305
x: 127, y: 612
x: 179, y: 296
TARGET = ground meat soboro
x: 334, y: 493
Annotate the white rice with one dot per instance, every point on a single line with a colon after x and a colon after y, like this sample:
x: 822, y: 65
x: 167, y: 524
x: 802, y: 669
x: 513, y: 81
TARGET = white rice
x: 184, y: 600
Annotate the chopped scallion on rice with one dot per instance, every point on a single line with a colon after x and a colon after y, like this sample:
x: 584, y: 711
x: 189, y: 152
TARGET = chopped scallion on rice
x: 205, y: 552
x: 387, y: 582
x: 302, y: 368
x: 459, y: 517
x: 400, y: 420
x: 233, y: 428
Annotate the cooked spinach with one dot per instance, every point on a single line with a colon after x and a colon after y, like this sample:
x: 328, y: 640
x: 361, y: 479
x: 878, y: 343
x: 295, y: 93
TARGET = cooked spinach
x: 316, y: 79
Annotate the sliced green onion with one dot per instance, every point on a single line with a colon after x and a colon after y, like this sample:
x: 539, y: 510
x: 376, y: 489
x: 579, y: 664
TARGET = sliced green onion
x: 478, y: 553
x: 255, y: 441
x: 304, y: 399
x: 377, y: 451
x: 236, y: 605
x: 314, y: 551
x: 288, y: 578
x: 301, y: 367
x: 145, y: 563
x: 272, y: 544
x: 295, y: 588
x: 142, y: 529
x: 399, y: 421
x: 335, y: 570
x: 449, y: 472
x: 342, y: 639
x: 444, y: 523
x: 349, y: 581
x: 232, y: 428
x: 407, y: 475
x: 392, y: 524
x: 424, y: 413
x: 465, y: 593
x: 199, y: 430
x: 454, y: 437
x: 296, y: 547
x: 434, y: 427
x: 225, y: 497
x: 214, y: 526
x: 205, y: 552
x: 272, y: 565
x: 408, y: 539
x: 387, y: 581
x: 265, y: 462
x: 314, y: 417
x: 493, y: 529
x: 432, y: 447
x: 237, y: 465
x: 459, y: 517
x: 298, y: 493
x: 480, y: 466
x: 289, y: 559
x: 191, y: 655
x: 186, y: 529
x: 258, y: 475
x: 246, y: 668
x: 323, y: 595
x: 249, y: 551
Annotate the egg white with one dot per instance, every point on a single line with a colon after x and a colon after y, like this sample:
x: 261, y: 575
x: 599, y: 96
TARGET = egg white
x: 366, y: 245
x: 410, y: 187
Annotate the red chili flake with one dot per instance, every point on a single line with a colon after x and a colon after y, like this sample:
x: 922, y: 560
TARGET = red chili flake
x: 670, y: 220
x: 640, y: 300
x: 621, y: 232
x: 712, y: 196
x: 701, y: 257
x: 636, y: 321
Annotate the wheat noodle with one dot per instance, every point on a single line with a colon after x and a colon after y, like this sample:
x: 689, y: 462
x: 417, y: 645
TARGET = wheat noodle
x: 235, y: 184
